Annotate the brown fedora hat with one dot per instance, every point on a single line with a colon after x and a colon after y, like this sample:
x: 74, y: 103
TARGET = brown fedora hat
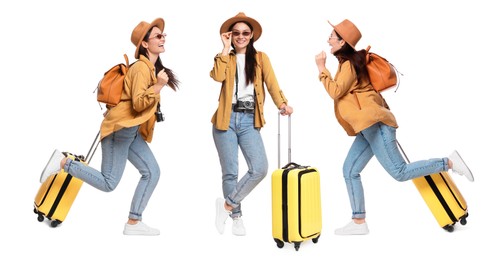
x: 348, y: 31
x: 141, y: 30
x: 241, y: 17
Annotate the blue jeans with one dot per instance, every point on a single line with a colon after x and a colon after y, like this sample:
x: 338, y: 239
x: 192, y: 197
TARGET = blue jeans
x: 380, y: 140
x: 117, y: 148
x: 241, y: 133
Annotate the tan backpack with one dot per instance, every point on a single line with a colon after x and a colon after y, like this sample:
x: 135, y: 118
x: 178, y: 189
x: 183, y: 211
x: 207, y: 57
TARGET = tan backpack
x: 111, y: 85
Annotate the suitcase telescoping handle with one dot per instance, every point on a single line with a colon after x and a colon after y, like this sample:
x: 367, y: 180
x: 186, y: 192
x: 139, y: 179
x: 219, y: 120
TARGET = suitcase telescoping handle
x: 402, y: 150
x: 93, y: 147
x: 289, y: 140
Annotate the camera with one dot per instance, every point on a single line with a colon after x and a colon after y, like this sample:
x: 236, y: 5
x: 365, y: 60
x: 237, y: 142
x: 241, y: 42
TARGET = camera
x: 158, y: 114
x: 248, y: 104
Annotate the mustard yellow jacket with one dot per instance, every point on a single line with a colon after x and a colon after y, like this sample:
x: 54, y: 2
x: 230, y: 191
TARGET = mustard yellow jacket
x: 138, y: 102
x: 357, y: 105
x: 224, y: 71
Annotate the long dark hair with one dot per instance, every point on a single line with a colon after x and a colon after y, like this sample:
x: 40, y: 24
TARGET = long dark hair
x: 250, y: 56
x: 356, y: 58
x: 173, y: 81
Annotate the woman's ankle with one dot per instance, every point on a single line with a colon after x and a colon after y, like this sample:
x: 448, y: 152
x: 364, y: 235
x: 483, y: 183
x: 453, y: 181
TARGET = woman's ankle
x: 63, y: 162
x: 132, y: 221
x: 359, y: 220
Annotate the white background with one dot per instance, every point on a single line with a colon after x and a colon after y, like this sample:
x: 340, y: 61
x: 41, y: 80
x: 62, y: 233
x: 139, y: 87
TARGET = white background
x: 55, y: 52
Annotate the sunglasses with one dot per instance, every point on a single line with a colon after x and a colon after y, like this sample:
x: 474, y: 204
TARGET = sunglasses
x: 245, y: 34
x: 160, y: 36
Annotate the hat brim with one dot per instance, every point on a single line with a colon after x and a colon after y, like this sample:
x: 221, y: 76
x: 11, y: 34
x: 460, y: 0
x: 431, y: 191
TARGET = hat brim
x: 341, y: 34
x: 159, y: 22
x: 256, y: 27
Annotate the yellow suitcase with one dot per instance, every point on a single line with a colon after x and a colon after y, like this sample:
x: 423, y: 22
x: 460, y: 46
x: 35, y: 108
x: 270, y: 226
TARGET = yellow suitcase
x: 296, y: 201
x: 296, y: 205
x: 57, y: 194
x: 443, y: 198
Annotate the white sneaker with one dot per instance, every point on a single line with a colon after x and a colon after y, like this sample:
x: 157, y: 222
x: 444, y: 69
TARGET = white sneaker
x: 53, y: 166
x: 140, y: 229
x: 221, y: 215
x: 352, y: 229
x: 459, y: 166
x: 238, y: 228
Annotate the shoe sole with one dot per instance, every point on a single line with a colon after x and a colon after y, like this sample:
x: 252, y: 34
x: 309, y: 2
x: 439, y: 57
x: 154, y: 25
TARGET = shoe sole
x: 136, y: 233
x: 351, y: 234
x: 43, y: 173
x: 347, y: 233
x: 471, y: 176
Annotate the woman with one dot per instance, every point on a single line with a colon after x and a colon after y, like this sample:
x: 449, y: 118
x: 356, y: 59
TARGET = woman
x: 242, y: 72
x: 362, y: 113
x: 128, y: 127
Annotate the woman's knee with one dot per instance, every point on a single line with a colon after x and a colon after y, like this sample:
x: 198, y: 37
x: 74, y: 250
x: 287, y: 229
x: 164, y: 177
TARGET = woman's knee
x: 152, y: 175
x: 109, y: 187
x: 347, y: 171
x: 262, y: 174
x: 398, y: 173
x: 155, y: 176
x: 399, y: 177
x: 261, y: 170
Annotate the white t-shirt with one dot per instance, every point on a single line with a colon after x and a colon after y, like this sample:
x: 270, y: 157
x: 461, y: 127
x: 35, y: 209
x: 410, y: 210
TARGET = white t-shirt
x: 245, y: 92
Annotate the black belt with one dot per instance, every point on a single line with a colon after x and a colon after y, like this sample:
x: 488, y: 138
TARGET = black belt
x: 243, y: 110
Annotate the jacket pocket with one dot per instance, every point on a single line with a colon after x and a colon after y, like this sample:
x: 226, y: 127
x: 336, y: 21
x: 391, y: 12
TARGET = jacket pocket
x: 356, y: 99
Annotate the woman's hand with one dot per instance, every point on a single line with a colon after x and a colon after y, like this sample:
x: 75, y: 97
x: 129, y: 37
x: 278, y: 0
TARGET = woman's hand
x: 320, y: 60
x: 227, y: 42
x: 286, y: 110
x: 162, y: 79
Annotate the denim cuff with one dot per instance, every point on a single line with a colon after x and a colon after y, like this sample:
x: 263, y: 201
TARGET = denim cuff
x: 67, y: 165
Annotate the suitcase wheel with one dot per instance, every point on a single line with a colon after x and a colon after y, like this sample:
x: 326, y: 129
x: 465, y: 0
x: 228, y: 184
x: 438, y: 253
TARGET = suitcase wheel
x: 315, y: 240
x: 55, y: 223
x: 297, y: 245
x: 463, y: 220
x: 40, y: 215
x: 449, y: 228
x: 279, y: 243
